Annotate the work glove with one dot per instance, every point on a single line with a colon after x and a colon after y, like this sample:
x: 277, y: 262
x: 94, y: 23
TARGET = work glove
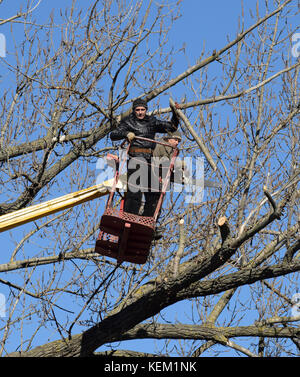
x: 177, y: 106
x: 130, y: 136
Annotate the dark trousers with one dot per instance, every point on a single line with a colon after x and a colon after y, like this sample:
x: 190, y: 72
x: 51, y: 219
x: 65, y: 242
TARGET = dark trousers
x: 139, y: 179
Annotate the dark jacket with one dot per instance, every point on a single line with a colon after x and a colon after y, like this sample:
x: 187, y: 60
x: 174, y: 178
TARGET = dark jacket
x: 146, y: 127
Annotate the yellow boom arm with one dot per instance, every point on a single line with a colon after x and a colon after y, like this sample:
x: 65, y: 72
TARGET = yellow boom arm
x: 25, y: 215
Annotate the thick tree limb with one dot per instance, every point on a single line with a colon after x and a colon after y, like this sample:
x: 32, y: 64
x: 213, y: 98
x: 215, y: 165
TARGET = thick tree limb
x: 204, y: 332
x: 215, y: 55
x: 33, y: 262
x: 39, y: 144
x: 187, y: 284
x: 194, y: 134
x: 28, y: 194
x: 180, y: 250
x: 237, y: 279
x: 207, y: 101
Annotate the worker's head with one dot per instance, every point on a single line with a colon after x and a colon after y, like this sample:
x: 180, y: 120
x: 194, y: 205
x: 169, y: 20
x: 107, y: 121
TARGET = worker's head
x: 139, y: 108
x: 173, y: 138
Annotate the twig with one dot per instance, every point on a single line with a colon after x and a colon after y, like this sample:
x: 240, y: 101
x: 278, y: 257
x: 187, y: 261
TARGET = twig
x: 91, y: 297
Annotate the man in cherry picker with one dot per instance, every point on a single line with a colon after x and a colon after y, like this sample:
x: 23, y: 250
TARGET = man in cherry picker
x: 164, y: 151
x: 162, y: 156
x: 138, y: 123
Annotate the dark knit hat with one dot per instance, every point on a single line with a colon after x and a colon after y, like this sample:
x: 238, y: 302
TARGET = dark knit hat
x: 173, y: 135
x: 139, y: 102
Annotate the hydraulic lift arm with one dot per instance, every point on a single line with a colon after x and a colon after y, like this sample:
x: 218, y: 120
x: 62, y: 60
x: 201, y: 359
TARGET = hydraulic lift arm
x: 25, y: 215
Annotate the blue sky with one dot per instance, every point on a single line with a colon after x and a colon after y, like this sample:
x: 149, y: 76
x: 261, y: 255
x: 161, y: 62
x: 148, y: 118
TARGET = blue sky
x: 202, y: 23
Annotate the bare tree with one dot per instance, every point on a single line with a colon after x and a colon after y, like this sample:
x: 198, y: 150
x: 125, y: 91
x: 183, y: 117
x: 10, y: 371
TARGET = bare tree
x: 232, y: 260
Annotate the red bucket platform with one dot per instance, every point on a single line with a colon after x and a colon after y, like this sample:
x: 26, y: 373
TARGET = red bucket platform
x: 124, y: 236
